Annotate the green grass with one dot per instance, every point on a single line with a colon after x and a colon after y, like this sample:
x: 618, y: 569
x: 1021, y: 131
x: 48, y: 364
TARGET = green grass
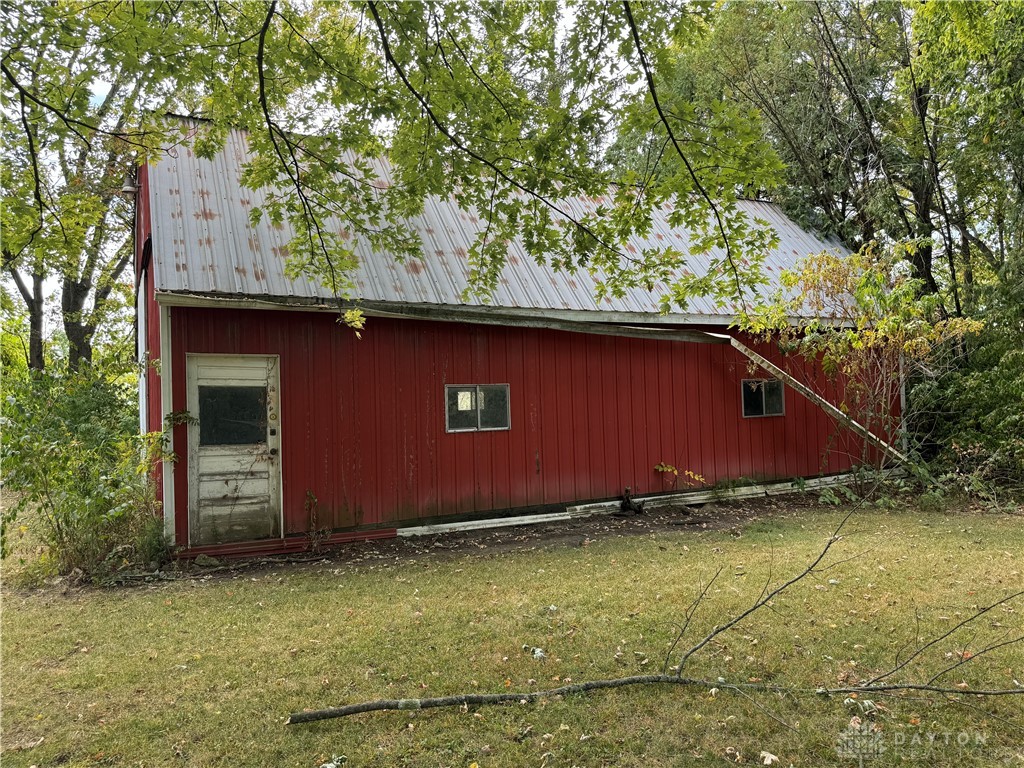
x: 204, y: 672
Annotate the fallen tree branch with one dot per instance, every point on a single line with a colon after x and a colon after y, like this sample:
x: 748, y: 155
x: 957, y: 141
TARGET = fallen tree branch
x: 478, y: 699
x: 935, y: 640
x: 484, y: 699
x: 897, y: 687
x: 689, y: 617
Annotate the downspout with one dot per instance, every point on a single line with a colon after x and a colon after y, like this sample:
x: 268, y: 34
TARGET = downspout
x: 818, y: 400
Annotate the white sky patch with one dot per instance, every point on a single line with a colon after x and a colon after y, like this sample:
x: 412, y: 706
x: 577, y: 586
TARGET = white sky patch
x: 99, y: 90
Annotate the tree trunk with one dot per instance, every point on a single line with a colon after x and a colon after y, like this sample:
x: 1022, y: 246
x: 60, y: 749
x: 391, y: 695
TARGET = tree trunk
x: 79, y: 344
x: 36, y: 359
x: 922, y: 191
x: 33, y: 299
x: 965, y: 254
x: 77, y: 330
x: 921, y: 264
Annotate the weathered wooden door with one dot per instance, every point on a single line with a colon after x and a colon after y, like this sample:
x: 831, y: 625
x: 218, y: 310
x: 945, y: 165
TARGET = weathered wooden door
x: 234, y: 467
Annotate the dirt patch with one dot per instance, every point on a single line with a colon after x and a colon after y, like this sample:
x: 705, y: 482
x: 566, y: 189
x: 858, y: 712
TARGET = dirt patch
x: 734, y: 516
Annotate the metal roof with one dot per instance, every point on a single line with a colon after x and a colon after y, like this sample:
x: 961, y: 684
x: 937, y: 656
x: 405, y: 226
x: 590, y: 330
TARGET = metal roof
x: 203, y: 243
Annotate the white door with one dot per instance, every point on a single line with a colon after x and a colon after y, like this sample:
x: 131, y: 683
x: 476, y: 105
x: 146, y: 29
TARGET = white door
x: 234, y: 440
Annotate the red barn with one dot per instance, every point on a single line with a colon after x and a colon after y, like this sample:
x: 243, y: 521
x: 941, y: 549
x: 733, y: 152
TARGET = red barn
x: 286, y: 424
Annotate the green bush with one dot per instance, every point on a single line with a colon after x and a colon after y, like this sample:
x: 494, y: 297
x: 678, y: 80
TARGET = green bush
x: 72, y: 454
x: 970, y: 420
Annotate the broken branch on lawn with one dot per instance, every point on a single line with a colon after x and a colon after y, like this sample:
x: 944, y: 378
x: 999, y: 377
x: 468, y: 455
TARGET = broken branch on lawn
x: 482, y: 699
x: 478, y: 699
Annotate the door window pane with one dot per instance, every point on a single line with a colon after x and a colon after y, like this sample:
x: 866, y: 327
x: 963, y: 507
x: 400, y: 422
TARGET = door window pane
x: 232, y: 415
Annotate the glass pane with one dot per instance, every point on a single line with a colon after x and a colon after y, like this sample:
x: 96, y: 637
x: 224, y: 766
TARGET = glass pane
x: 753, y: 397
x: 773, y: 398
x: 459, y: 416
x: 232, y: 415
x: 494, y: 406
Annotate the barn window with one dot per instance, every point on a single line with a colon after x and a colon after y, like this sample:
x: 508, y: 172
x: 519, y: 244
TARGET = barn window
x: 762, y: 397
x: 476, y: 407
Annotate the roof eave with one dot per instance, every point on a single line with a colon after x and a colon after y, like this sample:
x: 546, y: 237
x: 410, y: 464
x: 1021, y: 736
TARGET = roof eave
x: 447, y: 312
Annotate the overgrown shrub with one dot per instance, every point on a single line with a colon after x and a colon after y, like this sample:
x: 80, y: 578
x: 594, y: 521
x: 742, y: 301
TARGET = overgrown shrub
x: 973, y: 417
x: 72, y: 455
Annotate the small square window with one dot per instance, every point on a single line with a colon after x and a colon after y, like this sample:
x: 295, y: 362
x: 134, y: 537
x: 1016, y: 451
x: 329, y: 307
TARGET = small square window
x: 762, y: 397
x: 477, y: 407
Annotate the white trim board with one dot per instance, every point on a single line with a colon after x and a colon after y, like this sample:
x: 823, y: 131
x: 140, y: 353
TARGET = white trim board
x: 702, y: 496
x: 142, y: 358
x: 477, y: 525
x: 652, y: 502
x: 166, y: 408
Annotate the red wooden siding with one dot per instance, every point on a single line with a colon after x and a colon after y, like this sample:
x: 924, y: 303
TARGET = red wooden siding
x: 363, y: 421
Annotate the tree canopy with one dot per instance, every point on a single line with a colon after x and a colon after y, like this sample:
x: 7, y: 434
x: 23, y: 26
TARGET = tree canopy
x: 895, y: 122
x: 508, y: 106
x: 873, y: 121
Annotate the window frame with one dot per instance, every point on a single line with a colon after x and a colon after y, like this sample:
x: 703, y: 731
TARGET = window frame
x: 764, y: 414
x: 477, y: 392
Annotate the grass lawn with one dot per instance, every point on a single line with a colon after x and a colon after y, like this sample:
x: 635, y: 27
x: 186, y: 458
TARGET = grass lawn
x: 203, y: 672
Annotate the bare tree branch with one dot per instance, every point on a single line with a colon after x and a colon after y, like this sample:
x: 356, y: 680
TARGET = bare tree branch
x: 690, y: 611
x: 483, y: 699
x: 765, y: 598
x: 921, y: 649
x: 869, y: 687
x: 967, y: 659
x: 479, y: 699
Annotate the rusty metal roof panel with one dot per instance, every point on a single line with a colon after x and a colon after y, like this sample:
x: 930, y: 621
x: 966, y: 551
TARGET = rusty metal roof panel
x: 204, y: 242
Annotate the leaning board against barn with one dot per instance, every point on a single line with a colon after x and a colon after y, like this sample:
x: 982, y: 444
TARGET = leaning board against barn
x: 287, y: 425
